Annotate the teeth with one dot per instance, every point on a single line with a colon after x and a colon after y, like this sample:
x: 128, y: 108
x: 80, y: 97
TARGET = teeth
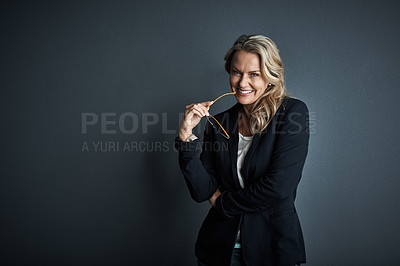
x: 245, y: 92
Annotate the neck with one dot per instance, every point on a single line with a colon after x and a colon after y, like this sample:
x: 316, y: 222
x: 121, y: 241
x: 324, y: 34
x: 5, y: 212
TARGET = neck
x: 244, y: 120
x: 247, y: 110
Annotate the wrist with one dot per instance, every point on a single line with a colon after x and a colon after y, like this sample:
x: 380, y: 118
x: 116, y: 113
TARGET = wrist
x: 184, y: 135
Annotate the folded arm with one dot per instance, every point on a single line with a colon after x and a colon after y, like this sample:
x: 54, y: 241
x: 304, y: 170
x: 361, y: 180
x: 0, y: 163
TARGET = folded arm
x: 284, y: 171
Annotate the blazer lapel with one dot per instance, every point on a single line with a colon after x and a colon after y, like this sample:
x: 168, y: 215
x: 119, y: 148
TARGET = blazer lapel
x: 256, y: 142
x: 233, y: 143
x: 248, y: 157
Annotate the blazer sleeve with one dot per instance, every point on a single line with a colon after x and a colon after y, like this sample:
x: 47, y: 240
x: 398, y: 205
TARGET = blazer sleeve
x: 198, y: 167
x: 284, y: 171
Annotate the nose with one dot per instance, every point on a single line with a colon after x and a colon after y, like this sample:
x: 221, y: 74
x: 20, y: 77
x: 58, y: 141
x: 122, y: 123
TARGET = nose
x: 244, y: 81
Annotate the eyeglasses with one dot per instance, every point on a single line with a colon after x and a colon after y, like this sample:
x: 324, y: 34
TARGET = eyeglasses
x: 218, y: 126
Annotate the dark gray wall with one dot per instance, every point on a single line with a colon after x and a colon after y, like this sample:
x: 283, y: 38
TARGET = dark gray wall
x: 120, y: 59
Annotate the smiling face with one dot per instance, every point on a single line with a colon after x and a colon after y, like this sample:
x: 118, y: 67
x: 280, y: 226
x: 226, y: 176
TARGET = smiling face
x: 246, y: 78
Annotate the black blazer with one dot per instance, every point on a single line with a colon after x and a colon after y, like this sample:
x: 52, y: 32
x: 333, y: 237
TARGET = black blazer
x: 264, y: 209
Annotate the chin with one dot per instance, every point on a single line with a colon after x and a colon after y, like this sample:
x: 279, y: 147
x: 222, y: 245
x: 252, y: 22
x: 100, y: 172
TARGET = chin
x: 245, y: 101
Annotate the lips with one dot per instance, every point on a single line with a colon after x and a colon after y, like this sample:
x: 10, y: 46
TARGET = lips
x: 245, y: 92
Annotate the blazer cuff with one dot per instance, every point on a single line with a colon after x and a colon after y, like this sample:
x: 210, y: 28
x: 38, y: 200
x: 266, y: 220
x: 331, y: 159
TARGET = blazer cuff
x: 183, y: 146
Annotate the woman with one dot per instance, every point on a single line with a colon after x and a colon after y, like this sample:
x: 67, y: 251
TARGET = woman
x: 251, y: 177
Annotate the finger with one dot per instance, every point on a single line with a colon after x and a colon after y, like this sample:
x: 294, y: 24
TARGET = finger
x: 208, y: 103
x: 203, y: 110
x: 189, y: 108
x: 197, y: 113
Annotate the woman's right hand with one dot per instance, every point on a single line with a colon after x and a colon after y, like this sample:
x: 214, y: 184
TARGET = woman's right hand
x: 192, y: 117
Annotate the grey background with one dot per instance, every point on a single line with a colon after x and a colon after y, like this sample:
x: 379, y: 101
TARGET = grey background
x: 60, y: 204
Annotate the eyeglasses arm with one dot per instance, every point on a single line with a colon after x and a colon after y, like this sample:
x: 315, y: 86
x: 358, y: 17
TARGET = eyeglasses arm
x: 229, y: 93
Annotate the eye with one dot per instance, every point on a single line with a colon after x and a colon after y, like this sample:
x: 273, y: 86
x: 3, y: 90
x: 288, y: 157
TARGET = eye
x: 254, y: 75
x: 235, y: 72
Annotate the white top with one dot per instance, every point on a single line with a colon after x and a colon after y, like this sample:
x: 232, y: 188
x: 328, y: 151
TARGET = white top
x: 243, y: 148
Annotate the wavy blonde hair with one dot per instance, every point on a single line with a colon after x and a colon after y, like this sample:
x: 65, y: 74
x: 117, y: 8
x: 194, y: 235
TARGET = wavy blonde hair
x: 266, y: 106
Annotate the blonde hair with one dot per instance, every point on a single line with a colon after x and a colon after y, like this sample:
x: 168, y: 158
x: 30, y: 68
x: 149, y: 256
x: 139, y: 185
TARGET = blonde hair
x: 266, y: 106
